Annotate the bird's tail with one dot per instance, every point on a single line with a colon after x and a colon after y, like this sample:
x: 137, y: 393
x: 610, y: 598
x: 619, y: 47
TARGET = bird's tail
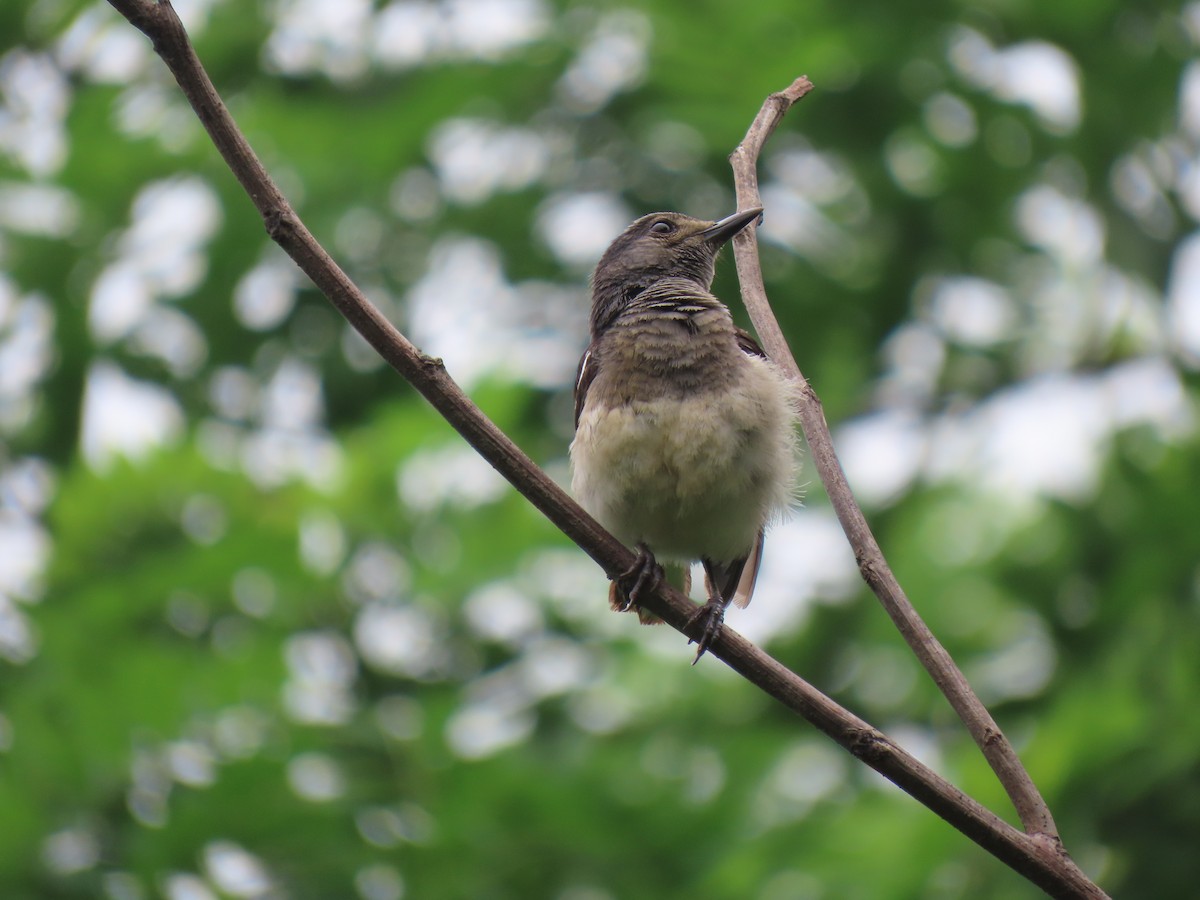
x: 735, y: 580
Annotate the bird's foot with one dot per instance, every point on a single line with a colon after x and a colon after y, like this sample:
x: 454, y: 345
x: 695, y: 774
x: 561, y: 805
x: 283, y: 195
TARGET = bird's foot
x: 643, y: 577
x: 711, y: 616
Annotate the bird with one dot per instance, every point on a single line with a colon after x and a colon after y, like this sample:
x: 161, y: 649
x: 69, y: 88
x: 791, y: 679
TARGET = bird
x: 685, y: 432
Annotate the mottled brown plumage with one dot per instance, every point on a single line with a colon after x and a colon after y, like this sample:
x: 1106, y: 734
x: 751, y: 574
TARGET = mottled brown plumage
x: 684, y: 442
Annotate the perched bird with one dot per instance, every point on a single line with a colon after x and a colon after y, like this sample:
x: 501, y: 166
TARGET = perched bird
x: 685, y: 440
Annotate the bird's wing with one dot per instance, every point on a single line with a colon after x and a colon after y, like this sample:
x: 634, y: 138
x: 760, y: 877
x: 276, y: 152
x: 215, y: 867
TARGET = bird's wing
x: 748, y: 344
x: 747, y: 575
x: 584, y: 376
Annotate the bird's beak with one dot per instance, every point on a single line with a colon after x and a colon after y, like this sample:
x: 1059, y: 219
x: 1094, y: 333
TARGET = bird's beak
x: 720, y: 232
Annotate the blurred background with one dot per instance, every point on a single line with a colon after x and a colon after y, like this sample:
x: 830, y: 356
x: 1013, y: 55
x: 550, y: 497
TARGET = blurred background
x: 269, y: 629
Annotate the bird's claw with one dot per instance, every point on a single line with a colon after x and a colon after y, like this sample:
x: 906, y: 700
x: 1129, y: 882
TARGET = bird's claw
x: 712, y: 616
x: 643, y: 577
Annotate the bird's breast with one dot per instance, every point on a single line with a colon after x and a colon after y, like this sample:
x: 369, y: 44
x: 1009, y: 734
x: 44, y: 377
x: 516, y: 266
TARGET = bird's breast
x: 680, y: 354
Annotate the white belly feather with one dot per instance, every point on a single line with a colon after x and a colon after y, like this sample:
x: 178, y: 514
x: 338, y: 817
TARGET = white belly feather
x: 691, y: 478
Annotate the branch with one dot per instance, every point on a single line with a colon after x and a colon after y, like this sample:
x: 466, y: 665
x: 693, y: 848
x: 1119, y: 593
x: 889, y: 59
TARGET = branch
x: 1043, y: 864
x: 1032, y: 809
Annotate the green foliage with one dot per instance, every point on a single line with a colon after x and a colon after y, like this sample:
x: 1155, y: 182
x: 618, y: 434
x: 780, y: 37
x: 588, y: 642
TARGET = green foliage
x: 300, y: 642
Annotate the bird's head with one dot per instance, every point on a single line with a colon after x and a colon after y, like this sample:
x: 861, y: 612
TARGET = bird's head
x: 660, y: 245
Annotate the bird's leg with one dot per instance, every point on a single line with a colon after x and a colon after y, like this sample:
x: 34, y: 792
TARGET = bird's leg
x: 644, y: 576
x: 711, y: 615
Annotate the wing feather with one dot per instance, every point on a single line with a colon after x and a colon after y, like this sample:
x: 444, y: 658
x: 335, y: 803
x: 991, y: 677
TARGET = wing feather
x: 748, y: 344
x: 584, y: 376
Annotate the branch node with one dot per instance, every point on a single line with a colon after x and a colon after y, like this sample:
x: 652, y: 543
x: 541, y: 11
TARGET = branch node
x: 871, y: 567
x: 870, y: 745
x: 810, y: 396
x: 280, y: 222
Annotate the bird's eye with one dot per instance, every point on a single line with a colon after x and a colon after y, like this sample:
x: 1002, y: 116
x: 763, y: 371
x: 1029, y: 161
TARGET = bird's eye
x: 662, y: 226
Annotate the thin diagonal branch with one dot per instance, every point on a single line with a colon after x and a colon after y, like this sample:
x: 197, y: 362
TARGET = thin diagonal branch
x: 1042, y: 864
x: 1032, y: 809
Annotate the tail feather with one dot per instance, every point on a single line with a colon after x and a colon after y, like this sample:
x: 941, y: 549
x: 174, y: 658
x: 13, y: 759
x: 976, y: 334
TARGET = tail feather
x: 735, y: 581
x: 748, y: 578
